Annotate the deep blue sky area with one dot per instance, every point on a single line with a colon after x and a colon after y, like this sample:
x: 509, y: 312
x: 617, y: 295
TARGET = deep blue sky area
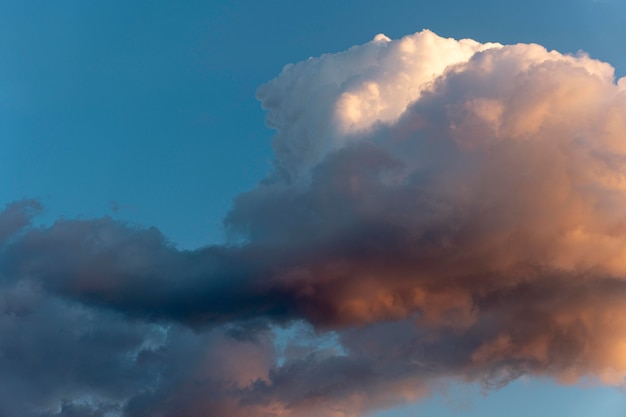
x: 145, y: 111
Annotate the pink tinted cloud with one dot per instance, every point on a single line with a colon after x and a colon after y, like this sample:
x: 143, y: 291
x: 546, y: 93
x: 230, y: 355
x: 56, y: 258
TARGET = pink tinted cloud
x: 444, y: 209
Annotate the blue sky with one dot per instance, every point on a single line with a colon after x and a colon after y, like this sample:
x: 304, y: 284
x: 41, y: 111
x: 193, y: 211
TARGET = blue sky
x: 146, y: 111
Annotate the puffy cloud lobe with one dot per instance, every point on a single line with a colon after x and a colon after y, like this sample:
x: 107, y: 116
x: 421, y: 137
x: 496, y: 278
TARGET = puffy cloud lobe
x: 316, y: 104
x: 447, y: 209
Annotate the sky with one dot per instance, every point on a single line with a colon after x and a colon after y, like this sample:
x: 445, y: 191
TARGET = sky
x: 201, y: 219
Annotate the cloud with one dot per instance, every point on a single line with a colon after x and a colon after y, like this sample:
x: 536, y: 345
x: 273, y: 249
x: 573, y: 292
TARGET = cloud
x: 439, y: 208
x: 316, y: 104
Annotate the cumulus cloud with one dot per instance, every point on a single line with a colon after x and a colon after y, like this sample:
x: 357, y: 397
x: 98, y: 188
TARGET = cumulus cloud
x: 316, y: 104
x: 439, y: 209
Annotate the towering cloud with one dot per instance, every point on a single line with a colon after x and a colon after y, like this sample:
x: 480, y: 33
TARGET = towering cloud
x: 440, y: 209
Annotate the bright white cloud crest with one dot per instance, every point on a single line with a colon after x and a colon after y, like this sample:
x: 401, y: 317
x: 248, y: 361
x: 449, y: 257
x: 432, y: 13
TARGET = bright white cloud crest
x: 318, y: 104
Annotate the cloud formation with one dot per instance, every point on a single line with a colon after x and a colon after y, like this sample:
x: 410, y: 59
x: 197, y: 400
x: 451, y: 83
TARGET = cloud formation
x: 439, y: 208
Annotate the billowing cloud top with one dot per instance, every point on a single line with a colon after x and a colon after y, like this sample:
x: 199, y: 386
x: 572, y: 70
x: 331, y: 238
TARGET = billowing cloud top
x: 439, y: 209
x: 352, y: 91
